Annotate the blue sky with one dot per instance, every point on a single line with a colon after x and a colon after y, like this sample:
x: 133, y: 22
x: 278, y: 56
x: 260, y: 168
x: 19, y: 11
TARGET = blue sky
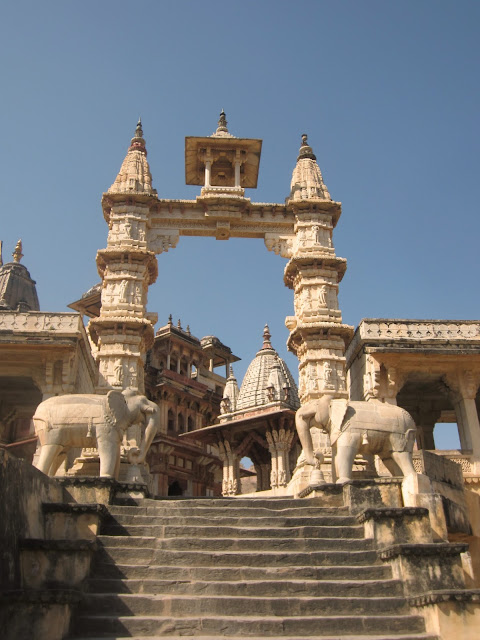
x: 388, y: 93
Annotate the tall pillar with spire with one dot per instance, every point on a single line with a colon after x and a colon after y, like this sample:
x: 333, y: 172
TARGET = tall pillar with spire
x: 317, y: 335
x: 123, y: 332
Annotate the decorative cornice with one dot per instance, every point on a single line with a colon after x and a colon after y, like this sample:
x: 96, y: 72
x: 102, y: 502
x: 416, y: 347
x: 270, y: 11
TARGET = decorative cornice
x: 410, y: 333
x: 37, y: 321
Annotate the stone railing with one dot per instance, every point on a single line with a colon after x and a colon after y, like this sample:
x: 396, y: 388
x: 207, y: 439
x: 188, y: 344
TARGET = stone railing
x: 446, y: 332
x: 35, y: 322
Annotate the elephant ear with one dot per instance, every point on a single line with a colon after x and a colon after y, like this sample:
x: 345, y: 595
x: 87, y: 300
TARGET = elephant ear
x: 338, y: 408
x: 116, y: 408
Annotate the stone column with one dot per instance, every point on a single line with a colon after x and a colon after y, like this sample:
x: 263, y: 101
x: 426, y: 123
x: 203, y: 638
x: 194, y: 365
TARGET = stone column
x: 231, y: 469
x: 124, y: 330
x: 425, y: 417
x: 279, y: 443
x: 317, y: 335
x: 464, y: 386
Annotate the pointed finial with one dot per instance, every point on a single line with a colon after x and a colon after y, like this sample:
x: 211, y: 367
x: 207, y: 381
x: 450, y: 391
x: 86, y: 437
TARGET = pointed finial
x: 179, y: 324
x: 170, y: 319
x: 266, y: 338
x: 137, y: 142
x: 306, y: 149
x: 230, y: 372
x: 1, y: 259
x: 17, y: 254
x: 189, y: 333
x: 222, y: 123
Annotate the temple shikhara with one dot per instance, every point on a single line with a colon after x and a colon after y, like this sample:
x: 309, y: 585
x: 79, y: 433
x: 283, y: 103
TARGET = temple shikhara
x: 147, y: 493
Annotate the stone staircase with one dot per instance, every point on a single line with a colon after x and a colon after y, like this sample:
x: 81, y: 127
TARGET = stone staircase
x: 241, y: 568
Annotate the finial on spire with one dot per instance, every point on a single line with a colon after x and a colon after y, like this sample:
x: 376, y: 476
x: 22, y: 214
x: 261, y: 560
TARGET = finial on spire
x: 137, y: 142
x: 266, y: 338
x: 305, y: 149
x: 222, y: 123
x: 170, y: 319
x: 179, y: 324
x: 1, y: 259
x: 17, y: 254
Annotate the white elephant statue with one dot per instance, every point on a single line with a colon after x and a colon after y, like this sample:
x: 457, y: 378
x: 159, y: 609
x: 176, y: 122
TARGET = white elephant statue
x: 88, y: 420
x: 359, y: 427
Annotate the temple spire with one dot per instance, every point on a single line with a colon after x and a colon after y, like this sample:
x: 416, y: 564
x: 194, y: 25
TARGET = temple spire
x: 307, y: 181
x: 134, y: 175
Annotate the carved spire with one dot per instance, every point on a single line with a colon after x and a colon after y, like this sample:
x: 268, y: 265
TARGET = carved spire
x: 134, y: 175
x: 230, y: 394
x: 307, y: 181
x: 222, y: 131
x: 17, y: 254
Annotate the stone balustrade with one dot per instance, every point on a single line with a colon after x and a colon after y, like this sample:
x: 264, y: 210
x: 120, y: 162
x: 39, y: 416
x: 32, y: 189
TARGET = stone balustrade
x: 37, y: 322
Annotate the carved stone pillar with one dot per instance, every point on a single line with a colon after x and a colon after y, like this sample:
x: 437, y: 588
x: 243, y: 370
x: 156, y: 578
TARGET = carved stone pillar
x: 123, y: 332
x: 425, y: 418
x: 231, y: 469
x: 464, y: 386
x: 317, y: 335
x: 263, y: 472
x: 279, y: 443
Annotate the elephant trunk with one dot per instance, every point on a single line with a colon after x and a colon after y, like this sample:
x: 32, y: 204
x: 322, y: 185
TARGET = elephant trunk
x: 151, y: 429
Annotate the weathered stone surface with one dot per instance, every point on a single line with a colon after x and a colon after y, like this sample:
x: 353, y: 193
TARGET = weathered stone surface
x: 71, y: 521
x: 244, y: 580
x: 22, y: 490
x: 388, y: 527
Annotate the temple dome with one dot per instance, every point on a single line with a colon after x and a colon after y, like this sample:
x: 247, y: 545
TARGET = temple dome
x: 267, y: 380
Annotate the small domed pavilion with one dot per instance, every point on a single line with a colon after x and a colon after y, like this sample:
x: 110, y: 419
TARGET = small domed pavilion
x: 257, y: 421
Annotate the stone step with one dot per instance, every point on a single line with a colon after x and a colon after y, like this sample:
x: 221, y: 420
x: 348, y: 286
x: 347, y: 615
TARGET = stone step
x: 194, y: 520
x: 129, y: 555
x: 188, y: 605
x: 250, y: 626
x: 168, y: 531
x: 408, y: 636
x: 251, y: 588
x: 236, y: 544
x: 229, y: 503
x: 238, y: 512
x: 240, y: 574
